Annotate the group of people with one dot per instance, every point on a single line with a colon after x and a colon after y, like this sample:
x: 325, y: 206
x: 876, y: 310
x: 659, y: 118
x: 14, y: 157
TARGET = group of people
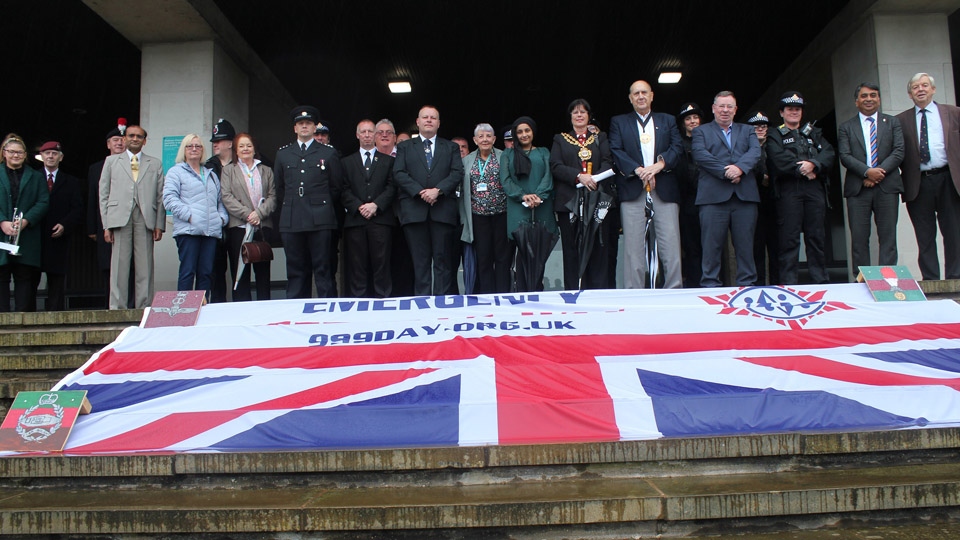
x: 410, y: 210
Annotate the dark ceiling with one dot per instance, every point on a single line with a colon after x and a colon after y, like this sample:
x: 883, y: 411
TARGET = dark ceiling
x: 69, y: 75
x: 496, y: 60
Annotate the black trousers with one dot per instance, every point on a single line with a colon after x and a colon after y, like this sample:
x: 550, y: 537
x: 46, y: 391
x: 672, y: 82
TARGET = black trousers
x: 802, y: 207
x: 25, y: 278
x: 937, y: 202
x: 308, y: 254
x: 493, y: 251
x: 261, y: 270
x: 431, y: 244
x: 368, y: 249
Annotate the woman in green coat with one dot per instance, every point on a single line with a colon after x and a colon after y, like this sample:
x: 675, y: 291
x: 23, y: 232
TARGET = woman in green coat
x: 25, y: 189
x: 525, y: 176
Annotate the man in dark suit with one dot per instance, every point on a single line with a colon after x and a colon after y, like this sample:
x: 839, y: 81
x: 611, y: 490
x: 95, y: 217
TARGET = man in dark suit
x: 115, y: 145
x: 931, y: 176
x: 871, y: 148
x: 309, y: 179
x: 727, y: 193
x: 428, y: 170
x: 64, y: 217
x: 646, y: 149
x: 368, y: 194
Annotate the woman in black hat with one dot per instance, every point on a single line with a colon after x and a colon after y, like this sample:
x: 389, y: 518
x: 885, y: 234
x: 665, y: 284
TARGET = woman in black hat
x: 526, y: 179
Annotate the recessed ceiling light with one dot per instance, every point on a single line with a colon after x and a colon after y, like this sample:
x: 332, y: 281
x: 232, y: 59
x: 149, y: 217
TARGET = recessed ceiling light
x: 669, y: 77
x: 400, y: 87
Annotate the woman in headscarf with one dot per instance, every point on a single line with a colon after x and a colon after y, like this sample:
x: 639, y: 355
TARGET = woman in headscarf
x: 575, y: 157
x: 24, y: 189
x: 525, y: 175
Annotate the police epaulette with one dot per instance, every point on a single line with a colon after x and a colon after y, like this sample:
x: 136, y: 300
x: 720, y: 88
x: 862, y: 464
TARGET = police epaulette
x: 284, y: 146
x: 783, y: 129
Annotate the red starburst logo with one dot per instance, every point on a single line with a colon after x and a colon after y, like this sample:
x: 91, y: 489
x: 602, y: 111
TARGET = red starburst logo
x: 792, y: 308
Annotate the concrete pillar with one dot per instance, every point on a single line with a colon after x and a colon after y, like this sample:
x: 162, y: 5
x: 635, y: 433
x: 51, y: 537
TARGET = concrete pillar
x: 888, y: 49
x: 185, y: 87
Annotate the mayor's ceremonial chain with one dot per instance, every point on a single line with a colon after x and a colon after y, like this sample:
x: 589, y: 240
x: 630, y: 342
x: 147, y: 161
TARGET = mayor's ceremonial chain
x: 584, y: 154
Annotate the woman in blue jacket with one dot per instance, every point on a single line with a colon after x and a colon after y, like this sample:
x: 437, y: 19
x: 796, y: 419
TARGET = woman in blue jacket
x: 191, y: 192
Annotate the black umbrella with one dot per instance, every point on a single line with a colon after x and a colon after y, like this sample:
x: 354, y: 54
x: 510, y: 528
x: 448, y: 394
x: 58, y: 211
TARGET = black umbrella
x: 591, y: 209
x: 650, y: 235
x: 534, y: 244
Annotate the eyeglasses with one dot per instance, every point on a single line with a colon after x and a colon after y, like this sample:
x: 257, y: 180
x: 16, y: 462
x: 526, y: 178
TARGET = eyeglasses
x: 194, y: 146
x: 382, y: 132
x: 136, y: 136
x: 15, y: 152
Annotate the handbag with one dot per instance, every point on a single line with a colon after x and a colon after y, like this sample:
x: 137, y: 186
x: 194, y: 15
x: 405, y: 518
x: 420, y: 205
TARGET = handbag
x: 256, y: 251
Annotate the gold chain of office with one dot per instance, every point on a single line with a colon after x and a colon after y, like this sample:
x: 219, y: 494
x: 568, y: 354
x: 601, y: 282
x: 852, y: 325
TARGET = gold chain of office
x: 584, y: 154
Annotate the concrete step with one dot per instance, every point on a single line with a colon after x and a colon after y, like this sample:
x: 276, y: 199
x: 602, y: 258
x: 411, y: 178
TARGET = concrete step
x: 291, y: 508
x: 676, y: 483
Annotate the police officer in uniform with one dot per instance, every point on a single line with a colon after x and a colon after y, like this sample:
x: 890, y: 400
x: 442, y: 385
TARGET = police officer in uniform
x: 223, y: 155
x: 688, y: 172
x: 309, y: 178
x: 766, y: 244
x: 798, y: 158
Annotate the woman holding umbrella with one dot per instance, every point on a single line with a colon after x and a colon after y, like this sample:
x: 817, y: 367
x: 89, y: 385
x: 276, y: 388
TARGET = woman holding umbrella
x: 575, y: 157
x: 250, y: 197
x: 526, y: 179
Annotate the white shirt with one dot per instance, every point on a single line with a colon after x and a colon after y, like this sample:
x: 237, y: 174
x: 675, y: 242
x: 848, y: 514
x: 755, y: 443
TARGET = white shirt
x: 363, y: 154
x: 865, y: 126
x: 938, y: 148
x: 130, y: 156
x: 49, y: 172
x: 647, y: 150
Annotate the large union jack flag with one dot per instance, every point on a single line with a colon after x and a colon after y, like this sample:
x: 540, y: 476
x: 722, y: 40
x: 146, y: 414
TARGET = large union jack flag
x: 553, y: 367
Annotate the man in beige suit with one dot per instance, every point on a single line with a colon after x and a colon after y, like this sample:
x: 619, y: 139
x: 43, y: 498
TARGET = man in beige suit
x: 131, y: 206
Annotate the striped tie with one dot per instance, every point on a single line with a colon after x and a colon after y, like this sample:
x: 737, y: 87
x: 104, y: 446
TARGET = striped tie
x: 874, y: 152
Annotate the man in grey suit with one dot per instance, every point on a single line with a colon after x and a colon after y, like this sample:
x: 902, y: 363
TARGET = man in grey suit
x: 131, y: 207
x: 727, y: 193
x: 428, y: 170
x: 931, y: 175
x: 871, y: 148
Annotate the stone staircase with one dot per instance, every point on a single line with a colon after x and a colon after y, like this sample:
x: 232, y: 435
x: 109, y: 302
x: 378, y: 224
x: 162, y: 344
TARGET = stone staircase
x: 38, y: 349
x: 667, y: 488
x: 670, y: 488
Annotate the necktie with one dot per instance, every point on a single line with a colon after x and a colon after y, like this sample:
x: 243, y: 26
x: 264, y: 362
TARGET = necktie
x: 303, y: 147
x: 49, y: 181
x: 366, y: 162
x: 426, y: 152
x: 135, y: 167
x: 924, y: 138
x: 874, y: 152
x: 726, y: 134
x: 582, y: 138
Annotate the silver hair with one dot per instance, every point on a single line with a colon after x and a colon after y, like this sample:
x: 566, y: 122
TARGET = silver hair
x: 917, y: 77
x: 387, y: 122
x: 483, y: 127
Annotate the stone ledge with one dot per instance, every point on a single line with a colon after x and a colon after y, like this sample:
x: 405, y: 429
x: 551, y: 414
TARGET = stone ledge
x: 24, y: 511
x: 416, y: 459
